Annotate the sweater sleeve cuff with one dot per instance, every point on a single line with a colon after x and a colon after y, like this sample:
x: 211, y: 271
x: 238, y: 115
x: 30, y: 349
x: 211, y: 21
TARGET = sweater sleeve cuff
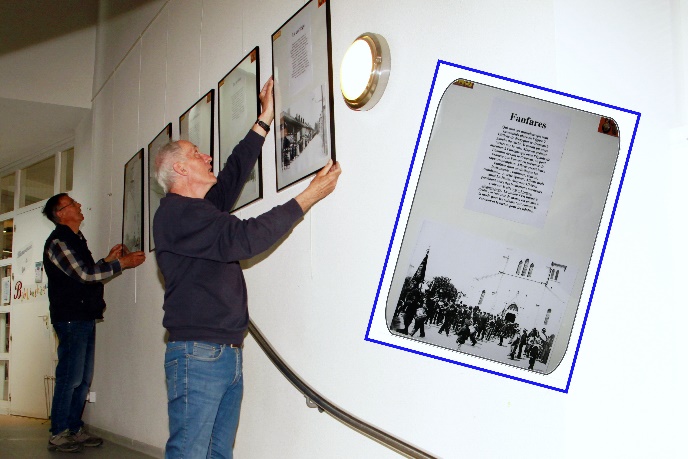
x: 116, y: 267
x: 294, y: 209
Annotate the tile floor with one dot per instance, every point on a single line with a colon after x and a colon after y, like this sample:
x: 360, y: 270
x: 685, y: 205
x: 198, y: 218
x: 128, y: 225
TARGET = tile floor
x: 27, y: 438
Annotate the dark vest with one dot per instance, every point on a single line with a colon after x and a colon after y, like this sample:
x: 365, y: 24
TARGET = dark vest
x: 71, y: 299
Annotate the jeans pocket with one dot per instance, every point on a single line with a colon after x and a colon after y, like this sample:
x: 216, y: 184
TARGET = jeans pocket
x: 171, y: 379
x: 206, y: 351
x: 175, y: 346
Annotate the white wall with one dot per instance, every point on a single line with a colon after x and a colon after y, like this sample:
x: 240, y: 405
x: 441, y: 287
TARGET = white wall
x: 313, y: 295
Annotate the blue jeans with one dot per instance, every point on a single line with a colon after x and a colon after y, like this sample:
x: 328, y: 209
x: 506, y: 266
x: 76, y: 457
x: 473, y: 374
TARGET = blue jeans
x: 204, y: 389
x: 74, y: 373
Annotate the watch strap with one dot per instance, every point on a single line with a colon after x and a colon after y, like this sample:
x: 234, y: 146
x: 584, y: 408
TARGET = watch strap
x: 262, y: 124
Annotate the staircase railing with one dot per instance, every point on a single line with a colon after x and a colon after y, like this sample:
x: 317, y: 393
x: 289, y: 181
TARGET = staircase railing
x: 315, y: 400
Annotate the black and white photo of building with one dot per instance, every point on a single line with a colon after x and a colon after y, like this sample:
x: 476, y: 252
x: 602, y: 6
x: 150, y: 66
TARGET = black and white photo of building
x: 303, y: 133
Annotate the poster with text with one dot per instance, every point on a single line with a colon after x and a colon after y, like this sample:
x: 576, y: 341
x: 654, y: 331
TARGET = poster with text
x: 239, y: 108
x: 6, y: 290
x: 196, y: 124
x: 302, y: 70
x: 518, y: 162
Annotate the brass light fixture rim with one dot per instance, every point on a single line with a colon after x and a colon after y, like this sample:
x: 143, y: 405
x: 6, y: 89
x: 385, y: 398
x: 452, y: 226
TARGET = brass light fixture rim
x: 379, y: 73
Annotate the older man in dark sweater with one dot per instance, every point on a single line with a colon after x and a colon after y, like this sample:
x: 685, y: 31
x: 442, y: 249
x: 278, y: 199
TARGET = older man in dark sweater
x: 198, y: 248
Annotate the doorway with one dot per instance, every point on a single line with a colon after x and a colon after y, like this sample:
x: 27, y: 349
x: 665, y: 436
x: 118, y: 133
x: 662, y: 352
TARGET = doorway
x: 32, y: 340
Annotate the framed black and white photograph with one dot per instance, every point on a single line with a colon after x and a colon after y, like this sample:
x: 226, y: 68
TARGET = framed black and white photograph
x: 304, y: 114
x: 196, y: 124
x: 132, y: 215
x: 155, y: 191
x: 238, y: 110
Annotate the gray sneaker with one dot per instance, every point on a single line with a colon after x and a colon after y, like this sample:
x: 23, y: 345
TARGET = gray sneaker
x: 82, y: 437
x: 63, y: 442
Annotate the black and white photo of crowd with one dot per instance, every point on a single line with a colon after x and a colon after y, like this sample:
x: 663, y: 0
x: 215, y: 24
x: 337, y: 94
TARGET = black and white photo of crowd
x: 511, y: 314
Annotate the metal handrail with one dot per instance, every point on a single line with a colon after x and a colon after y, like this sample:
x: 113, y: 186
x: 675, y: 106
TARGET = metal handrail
x: 315, y: 400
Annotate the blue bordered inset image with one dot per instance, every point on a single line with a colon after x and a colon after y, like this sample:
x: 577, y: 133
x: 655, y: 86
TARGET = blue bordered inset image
x: 502, y: 226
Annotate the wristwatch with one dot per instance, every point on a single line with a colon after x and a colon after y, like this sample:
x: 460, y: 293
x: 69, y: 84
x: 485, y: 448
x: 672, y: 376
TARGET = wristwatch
x: 263, y: 125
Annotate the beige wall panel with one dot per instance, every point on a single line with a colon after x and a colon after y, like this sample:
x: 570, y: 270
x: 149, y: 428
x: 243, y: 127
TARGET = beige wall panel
x: 99, y: 196
x: 220, y: 48
x: 152, y: 111
x: 125, y: 128
x: 220, y: 40
x: 120, y: 291
x: 183, y: 58
x: 120, y: 26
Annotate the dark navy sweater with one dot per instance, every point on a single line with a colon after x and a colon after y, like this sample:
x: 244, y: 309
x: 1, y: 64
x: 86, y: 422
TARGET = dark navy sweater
x: 198, y: 245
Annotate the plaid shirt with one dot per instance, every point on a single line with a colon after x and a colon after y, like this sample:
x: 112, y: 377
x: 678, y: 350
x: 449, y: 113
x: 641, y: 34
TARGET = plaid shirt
x: 75, y: 267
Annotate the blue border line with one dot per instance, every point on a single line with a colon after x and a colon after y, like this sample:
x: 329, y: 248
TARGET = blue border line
x: 403, y: 196
x: 554, y: 91
x: 604, y: 246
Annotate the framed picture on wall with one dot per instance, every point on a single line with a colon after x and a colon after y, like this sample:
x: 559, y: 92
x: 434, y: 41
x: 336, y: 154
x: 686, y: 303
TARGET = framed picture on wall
x: 155, y: 191
x: 132, y: 215
x: 238, y: 110
x: 196, y: 124
x: 304, y: 114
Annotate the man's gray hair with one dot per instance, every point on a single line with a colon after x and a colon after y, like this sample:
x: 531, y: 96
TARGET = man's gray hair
x: 168, y: 154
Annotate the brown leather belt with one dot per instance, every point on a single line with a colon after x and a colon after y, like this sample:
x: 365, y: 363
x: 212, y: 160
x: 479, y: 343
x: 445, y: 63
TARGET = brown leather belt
x: 237, y: 346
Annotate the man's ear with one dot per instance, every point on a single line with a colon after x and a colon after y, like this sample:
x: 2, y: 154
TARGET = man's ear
x: 179, y: 169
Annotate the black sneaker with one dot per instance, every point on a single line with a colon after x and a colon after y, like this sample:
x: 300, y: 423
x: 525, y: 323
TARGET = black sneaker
x: 63, y: 442
x: 82, y: 437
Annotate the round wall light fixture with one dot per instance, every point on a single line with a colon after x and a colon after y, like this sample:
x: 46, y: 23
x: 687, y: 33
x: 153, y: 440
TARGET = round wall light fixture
x: 364, y: 72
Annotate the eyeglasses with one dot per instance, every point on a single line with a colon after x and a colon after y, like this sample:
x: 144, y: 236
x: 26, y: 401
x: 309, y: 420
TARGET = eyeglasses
x: 64, y: 207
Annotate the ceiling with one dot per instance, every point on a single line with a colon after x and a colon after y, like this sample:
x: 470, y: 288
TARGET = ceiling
x: 28, y: 129
x: 47, y: 60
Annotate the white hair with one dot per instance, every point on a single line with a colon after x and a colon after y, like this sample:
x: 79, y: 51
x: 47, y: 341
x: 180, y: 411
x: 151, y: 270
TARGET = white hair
x: 168, y: 155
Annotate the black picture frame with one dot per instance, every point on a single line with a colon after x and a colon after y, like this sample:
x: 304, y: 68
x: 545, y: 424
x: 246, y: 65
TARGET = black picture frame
x: 155, y: 191
x: 303, y: 94
x: 238, y: 109
x: 196, y: 124
x: 132, y: 203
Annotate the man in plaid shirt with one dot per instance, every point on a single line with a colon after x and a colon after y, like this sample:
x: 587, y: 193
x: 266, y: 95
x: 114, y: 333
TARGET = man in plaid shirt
x: 75, y: 291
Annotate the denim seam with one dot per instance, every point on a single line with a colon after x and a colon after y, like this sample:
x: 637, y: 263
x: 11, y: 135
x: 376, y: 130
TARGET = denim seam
x: 186, y: 401
x: 237, y: 365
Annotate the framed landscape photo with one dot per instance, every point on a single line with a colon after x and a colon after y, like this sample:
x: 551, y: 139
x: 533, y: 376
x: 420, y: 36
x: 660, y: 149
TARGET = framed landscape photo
x: 155, y: 191
x: 238, y: 110
x: 132, y: 215
x: 196, y: 124
x: 304, y: 114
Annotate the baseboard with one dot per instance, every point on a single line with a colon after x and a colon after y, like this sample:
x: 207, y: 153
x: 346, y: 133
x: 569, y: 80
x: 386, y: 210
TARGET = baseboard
x: 136, y: 445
